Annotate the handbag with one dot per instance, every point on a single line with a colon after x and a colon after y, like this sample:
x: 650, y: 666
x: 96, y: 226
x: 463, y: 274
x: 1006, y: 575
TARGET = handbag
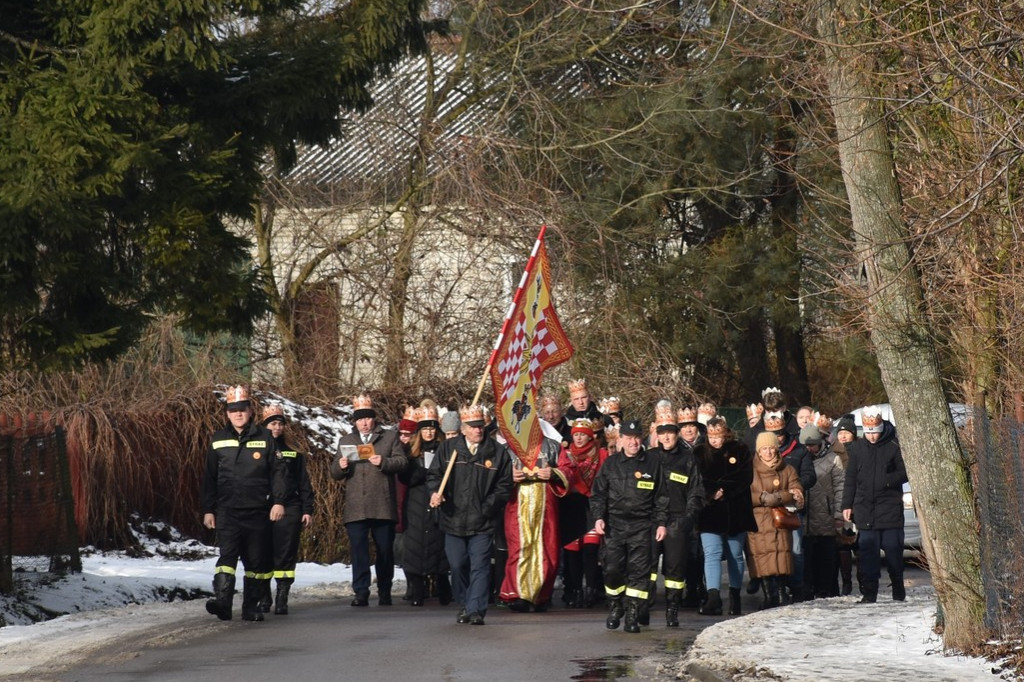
x: 783, y: 519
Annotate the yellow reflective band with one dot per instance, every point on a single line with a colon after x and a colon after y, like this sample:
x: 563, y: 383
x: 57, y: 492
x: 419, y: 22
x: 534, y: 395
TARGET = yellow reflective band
x: 614, y: 591
x: 639, y: 594
x: 256, y: 444
x: 284, y: 574
x: 654, y: 576
x: 679, y: 478
x: 675, y: 584
x: 289, y: 453
x: 217, y: 444
x: 230, y: 570
x: 645, y: 485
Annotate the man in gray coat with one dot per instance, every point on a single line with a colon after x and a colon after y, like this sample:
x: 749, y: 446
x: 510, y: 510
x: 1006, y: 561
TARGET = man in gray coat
x: 367, y: 461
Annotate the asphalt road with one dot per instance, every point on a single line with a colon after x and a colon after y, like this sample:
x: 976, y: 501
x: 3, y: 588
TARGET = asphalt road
x: 334, y: 641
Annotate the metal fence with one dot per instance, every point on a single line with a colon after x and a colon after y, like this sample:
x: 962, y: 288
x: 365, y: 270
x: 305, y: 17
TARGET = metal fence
x: 37, y: 518
x: 999, y: 486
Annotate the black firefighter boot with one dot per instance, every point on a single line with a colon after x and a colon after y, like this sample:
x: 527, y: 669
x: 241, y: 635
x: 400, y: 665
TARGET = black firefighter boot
x: 899, y: 589
x: 252, y: 589
x: 281, y: 602
x: 735, y: 607
x: 223, y: 596
x: 672, y: 599
x: 266, y: 600
x: 712, y: 606
x: 633, y: 607
x: 614, y: 612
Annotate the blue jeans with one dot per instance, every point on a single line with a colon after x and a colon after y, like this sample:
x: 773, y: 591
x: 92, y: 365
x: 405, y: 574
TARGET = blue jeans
x: 714, y: 544
x: 796, y: 581
x: 470, y: 559
x: 383, y: 532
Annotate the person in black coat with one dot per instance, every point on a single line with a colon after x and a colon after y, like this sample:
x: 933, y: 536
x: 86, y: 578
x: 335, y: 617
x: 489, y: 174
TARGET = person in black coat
x: 424, y: 558
x: 727, y: 471
x: 298, y: 514
x: 471, y: 504
x: 873, y: 499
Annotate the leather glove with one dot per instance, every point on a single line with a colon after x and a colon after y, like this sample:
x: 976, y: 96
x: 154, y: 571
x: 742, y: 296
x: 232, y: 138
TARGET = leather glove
x: 771, y: 499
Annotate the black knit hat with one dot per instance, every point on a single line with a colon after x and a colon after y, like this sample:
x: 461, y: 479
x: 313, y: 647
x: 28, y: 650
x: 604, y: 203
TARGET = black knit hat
x: 847, y: 423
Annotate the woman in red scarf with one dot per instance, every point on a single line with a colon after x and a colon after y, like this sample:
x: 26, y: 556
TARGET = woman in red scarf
x: 580, y: 462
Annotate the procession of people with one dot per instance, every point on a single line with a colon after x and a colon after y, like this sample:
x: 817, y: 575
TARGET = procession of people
x: 610, y: 506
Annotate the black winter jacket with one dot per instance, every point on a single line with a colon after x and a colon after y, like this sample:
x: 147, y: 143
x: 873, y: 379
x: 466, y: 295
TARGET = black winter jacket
x: 731, y: 470
x: 682, y: 483
x: 629, y: 493
x: 299, y: 488
x: 244, y: 471
x: 478, y: 488
x: 875, y: 474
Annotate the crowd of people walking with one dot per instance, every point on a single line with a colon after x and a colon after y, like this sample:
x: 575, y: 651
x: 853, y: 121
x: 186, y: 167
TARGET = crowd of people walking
x: 611, y: 507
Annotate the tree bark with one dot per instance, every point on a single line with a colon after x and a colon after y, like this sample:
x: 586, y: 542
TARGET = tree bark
x: 938, y: 472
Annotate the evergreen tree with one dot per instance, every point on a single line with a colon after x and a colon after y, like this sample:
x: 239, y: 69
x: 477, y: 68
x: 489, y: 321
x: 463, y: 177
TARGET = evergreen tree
x: 133, y: 132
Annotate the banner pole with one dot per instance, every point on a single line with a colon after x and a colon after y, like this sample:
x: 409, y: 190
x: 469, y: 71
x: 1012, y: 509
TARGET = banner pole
x: 497, y: 345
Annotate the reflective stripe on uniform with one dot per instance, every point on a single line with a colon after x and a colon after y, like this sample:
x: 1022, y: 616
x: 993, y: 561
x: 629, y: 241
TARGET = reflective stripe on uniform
x: 675, y: 584
x: 284, y: 574
x: 289, y: 453
x: 230, y: 570
x: 638, y: 594
x: 614, y: 591
x: 259, y: 576
x: 217, y: 444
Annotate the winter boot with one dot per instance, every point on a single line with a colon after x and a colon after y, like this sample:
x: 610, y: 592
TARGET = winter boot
x: 383, y: 595
x: 590, y: 597
x: 672, y: 599
x: 444, y: 589
x: 252, y: 590
x: 281, y: 600
x: 266, y: 600
x: 899, y: 590
x: 643, y: 611
x: 846, y: 570
x: 770, y: 590
x: 735, y: 607
x: 694, y: 596
x: 223, y: 596
x: 869, y: 592
x: 417, y: 588
x: 633, y: 606
x: 712, y: 606
x: 614, y: 612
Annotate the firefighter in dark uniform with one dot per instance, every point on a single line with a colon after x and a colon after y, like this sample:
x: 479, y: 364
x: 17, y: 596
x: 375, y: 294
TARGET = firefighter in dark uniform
x: 685, y: 491
x: 629, y: 499
x: 243, y: 490
x: 298, y: 513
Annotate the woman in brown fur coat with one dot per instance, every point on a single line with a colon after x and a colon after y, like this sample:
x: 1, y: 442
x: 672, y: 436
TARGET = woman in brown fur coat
x: 775, y: 484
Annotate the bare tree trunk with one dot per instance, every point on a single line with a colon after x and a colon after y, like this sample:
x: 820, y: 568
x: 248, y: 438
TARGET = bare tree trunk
x: 899, y: 331
x: 396, y: 360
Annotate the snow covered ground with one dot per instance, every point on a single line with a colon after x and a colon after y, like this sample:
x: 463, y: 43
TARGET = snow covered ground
x: 835, y: 639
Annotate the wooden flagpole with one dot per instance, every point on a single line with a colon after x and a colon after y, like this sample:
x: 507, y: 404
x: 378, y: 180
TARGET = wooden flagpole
x: 497, y: 345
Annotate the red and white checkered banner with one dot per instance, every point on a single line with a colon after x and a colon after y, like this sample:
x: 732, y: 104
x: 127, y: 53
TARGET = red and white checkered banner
x: 531, y: 341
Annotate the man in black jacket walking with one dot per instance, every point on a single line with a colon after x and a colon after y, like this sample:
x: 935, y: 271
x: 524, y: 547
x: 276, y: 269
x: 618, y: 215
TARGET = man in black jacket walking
x: 628, y: 499
x: 873, y: 499
x: 472, y: 502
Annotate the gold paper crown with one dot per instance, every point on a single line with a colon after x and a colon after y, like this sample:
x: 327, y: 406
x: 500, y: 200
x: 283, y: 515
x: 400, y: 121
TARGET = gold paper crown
x: 611, y: 433
x: 754, y: 410
x: 664, y: 414
x: 774, y: 421
x: 584, y: 423
x: 236, y: 394
x: 472, y: 413
x: 770, y: 389
x: 427, y: 413
x: 717, y: 427
x: 823, y: 423
x: 577, y: 386
x: 871, y: 417
x: 707, y: 409
x: 272, y: 411
x: 549, y: 399
x: 609, y: 405
x: 411, y: 413
x: 686, y: 415
x: 362, y: 402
